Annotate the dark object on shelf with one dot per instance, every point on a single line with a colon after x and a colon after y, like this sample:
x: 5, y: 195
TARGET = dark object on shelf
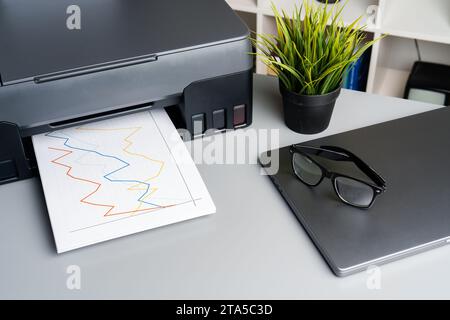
x: 111, y: 67
x: 429, y: 82
x: 308, y: 114
x: 413, y: 154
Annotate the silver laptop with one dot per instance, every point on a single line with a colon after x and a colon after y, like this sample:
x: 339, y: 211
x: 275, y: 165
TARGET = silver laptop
x: 413, y: 155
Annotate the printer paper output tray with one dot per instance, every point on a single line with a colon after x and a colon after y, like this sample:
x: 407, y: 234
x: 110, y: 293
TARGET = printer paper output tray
x: 127, y: 57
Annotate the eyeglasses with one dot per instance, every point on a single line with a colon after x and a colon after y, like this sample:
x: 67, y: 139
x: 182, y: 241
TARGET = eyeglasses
x: 351, y: 191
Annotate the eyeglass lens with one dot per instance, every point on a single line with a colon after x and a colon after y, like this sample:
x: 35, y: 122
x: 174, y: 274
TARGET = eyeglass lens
x: 306, y: 170
x: 354, y: 192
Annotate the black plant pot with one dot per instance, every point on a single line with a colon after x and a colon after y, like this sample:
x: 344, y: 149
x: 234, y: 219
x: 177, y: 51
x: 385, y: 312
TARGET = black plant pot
x: 308, y: 114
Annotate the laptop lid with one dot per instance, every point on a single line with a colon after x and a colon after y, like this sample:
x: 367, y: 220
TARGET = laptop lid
x: 413, y: 215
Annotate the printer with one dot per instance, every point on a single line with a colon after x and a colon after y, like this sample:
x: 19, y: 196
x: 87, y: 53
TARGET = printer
x: 190, y: 57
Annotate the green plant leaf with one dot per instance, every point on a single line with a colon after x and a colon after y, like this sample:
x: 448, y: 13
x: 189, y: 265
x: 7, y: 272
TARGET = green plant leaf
x: 312, y: 47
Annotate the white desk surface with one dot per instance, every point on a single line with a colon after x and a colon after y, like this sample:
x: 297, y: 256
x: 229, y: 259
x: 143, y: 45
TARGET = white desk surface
x: 252, y: 248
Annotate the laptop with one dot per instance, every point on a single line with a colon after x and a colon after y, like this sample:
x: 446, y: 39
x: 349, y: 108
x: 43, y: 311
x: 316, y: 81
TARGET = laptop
x: 413, y: 215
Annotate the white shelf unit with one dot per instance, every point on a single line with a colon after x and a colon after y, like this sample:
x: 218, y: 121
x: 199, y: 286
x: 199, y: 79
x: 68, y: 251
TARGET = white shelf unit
x: 243, y: 5
x: 423, y: 20
x: 404, y: 22
x: 354, y: 9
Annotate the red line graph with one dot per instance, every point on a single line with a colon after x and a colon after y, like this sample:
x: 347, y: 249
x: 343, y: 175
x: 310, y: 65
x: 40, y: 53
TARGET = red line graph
x: 97, y: 188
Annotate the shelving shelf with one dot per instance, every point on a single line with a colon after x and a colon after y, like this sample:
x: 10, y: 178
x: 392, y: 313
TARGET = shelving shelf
x: 390, y: 81
x: 392, y: 58
x: 355, y: 9
x: 243, y: 5
x: 415, y: 19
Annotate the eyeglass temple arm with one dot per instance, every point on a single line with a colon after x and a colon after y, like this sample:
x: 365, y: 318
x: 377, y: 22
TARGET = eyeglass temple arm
x: 322, y: 152
x: 360, y: 164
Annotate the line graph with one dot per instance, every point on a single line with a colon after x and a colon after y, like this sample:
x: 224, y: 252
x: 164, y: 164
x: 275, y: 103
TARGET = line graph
x: 115, y: 177
x: 179, y: 204
x: 129, y: 143
x: 97, y: 184
x: 107, y: 176
x: 127, y: 139
x: 68, y: 173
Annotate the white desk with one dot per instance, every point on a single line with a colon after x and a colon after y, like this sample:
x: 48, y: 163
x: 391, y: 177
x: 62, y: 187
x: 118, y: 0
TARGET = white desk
x: 253, y: 247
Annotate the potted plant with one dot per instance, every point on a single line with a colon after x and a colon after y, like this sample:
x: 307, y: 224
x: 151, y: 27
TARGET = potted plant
x: 310, y: 54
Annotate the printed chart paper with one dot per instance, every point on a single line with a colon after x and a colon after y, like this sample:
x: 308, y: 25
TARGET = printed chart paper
x: 116, y: 177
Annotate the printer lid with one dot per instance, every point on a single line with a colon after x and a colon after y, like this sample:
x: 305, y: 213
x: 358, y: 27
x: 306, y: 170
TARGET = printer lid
x: 35, y: 41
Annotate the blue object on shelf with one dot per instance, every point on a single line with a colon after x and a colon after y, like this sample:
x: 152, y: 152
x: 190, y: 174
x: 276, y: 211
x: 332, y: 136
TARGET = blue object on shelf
x: 355, y: 78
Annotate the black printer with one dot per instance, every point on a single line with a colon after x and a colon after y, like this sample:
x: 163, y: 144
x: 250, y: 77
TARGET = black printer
x: 190, y: 57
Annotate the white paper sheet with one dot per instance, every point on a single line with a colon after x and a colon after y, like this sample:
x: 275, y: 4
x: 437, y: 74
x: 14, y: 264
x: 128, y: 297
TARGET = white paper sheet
x: 116, y: 177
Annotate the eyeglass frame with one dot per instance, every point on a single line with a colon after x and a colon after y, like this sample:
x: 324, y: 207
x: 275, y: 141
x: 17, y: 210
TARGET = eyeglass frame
x: 339, y: 154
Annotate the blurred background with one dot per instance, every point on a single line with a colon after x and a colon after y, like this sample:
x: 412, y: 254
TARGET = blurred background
x: 418, y: 33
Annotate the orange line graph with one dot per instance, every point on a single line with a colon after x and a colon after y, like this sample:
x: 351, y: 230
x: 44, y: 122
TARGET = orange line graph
x: 129, y: 143
x: 97, y: 188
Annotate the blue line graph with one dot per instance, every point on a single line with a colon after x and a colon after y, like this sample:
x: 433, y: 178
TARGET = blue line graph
x: 107, y: 176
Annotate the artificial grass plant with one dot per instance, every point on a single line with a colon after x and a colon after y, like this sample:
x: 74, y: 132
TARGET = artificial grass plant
x: 310, y: 54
